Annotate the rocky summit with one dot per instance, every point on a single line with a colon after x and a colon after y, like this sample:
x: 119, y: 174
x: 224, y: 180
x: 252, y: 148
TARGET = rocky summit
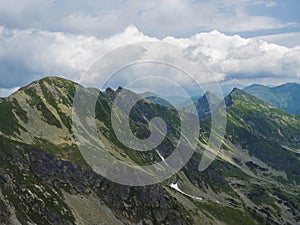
x: 44, y: 179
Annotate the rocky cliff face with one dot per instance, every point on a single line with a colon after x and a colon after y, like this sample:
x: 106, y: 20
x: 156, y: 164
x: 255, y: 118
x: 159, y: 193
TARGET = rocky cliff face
x: 45, y: 180
x: 39, y: 185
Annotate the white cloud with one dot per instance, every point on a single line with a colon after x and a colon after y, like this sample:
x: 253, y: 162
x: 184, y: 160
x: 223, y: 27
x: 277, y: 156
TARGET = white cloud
x: 29, y: 54
x: 4, y: 92
x: 238, y: 57
x: 176, y: 16
x: 154, y: 17
x: 285, y: 39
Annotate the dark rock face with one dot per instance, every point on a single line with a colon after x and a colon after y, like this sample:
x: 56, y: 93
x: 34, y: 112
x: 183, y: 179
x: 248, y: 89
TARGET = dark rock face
x: 135, y: 204
x: 202, y: 106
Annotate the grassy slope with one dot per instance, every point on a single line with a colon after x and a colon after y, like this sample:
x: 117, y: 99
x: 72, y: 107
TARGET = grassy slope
x: 252, y: 125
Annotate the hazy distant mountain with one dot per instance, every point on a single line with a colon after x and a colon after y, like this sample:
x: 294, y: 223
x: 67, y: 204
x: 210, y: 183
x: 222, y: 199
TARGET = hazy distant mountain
x: 286, y: 96
x: 44, y: 179
x: 165, y: 100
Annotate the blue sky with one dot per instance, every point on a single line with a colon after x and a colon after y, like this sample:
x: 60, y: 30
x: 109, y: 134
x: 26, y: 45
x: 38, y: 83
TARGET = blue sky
x: 155, y: 18
x: 31, y: 30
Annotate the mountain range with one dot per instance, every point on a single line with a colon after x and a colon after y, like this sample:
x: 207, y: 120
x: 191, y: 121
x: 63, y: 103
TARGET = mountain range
x: 45, y: 180
x: 285, y: 96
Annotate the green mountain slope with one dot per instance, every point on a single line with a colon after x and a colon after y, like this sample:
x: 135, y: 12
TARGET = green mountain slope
x: 286, y: 96
x: 45, y: 180
x: 269, y: 134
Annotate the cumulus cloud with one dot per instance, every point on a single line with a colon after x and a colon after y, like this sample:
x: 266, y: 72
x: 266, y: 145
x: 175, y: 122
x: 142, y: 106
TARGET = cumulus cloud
x: 29, y: 54
x: 4, y: 92
x: 238, y: 57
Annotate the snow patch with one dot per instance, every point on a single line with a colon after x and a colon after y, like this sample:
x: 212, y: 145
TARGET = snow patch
x: 161, y: 157
x: 175, y: 187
